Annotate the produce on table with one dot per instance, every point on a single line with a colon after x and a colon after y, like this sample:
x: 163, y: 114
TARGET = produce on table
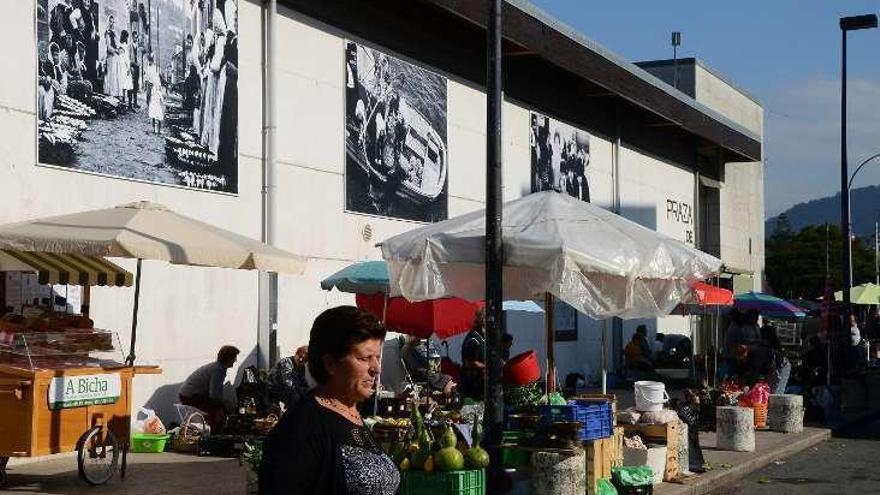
x: 421, y: 450
x: 422, y: 458
x: 448, y: 458
x: 475, y: 457
x: 448, y: 439
x: 523, y: 396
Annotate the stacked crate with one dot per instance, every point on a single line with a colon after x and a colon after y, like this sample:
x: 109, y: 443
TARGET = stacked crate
x: 602, y: 455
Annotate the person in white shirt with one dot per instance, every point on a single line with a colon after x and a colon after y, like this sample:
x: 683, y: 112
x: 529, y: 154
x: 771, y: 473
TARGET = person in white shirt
x: 203, y: 389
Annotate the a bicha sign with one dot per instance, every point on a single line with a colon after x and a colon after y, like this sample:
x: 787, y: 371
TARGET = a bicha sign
x: 84, y: 390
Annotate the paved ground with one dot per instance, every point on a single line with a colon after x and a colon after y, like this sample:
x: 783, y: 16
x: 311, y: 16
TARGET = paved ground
x: 147, y: 474
x: 728, y: 467
x: 845, y: 464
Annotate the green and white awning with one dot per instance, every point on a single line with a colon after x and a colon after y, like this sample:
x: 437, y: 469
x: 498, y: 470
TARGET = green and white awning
x: 66, y: 269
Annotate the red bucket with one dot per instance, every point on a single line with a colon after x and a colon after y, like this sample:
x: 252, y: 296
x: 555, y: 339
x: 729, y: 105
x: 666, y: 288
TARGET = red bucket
x: 522, y: 369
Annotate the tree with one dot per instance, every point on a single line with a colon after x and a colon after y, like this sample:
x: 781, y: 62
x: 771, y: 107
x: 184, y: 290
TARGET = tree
x: 796, y: 263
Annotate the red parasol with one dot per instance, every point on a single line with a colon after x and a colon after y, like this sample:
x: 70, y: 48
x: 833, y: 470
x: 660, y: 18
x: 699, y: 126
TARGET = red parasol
x: 709, y: 295
x: 444, y: 318
x: 706, y: 299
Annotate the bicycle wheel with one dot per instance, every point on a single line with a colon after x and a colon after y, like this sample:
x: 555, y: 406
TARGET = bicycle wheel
x: 97, y: 456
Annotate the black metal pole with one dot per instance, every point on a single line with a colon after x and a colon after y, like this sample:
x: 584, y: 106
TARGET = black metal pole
x: 134, y: 317
x: 844, y: 192
x: 494, y: 413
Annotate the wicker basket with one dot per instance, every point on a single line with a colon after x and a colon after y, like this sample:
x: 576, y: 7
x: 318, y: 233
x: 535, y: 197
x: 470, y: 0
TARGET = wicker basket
x: 187, y: 438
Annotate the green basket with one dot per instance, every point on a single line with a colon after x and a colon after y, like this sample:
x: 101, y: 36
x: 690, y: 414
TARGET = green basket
x: 514, y: 457
x: 472, y: 482
x: 147, y: 443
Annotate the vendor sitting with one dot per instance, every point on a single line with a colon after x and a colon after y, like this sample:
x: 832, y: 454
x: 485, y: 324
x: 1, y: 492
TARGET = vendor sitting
x: 203, y: 389
x: 638, y: 352
x: 287, y: 379
x: 422, y: 359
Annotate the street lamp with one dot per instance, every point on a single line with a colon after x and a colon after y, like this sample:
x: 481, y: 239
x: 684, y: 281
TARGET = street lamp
x: 676, y: 42
x: 847, y: 24
x: 876, y: 227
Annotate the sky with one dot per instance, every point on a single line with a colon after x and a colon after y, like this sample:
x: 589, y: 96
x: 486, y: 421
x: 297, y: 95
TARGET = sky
x: 784, y: 53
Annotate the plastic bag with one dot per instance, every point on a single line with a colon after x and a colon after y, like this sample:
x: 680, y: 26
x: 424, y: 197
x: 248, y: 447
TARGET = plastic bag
x: 604, y: 487
x: 759, y: 394
x: 632, y: 475
x: 151, y: 424
x: 660, y: 417
x: 628, y: 416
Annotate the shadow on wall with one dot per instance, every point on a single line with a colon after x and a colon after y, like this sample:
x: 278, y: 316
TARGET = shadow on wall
x: 162, y: 401
x: 646, y: 216
x: 163, y: 398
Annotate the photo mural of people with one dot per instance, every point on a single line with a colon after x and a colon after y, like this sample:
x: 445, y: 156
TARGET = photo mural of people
x: 140, y: 89
x: 395, y: 137
x: 560, y: 157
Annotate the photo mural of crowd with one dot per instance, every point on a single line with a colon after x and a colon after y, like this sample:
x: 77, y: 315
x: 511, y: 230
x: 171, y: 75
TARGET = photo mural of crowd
x: 140, y: 89
x: 560, y: 157
x: 396, y: 146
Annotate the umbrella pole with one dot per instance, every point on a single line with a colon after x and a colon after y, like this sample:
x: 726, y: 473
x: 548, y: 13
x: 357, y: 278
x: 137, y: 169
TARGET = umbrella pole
x: 715, y: 353
x: 381, y: 352
x: 551, y: 359
x: 604, y: 358
x: 134, y: 317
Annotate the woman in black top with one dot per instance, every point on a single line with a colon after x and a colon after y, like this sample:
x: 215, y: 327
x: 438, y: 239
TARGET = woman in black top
x: 321, y: 445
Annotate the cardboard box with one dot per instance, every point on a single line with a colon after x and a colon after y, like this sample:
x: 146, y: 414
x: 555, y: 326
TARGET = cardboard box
x: 654, y: 457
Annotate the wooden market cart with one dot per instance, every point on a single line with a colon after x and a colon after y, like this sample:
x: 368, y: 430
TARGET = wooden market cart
x: 99, y: 433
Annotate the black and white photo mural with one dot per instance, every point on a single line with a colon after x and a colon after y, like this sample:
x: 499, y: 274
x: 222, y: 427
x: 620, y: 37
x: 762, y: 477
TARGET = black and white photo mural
x: 560, y: 157
x: 140, y: 89
x: 395, y: 137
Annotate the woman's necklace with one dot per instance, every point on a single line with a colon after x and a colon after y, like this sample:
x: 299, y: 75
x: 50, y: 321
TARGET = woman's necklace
x: 335, y: 405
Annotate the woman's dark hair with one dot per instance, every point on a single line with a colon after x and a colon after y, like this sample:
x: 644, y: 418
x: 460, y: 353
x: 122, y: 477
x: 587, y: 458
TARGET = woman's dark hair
x: 227, y: 354
x: 335, y: 332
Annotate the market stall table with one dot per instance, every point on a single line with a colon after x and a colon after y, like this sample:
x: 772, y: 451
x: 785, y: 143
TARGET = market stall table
x: 80, y: 408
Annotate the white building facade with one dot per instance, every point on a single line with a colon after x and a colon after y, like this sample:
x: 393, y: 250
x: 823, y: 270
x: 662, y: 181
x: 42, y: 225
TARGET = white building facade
x: 186, y: 314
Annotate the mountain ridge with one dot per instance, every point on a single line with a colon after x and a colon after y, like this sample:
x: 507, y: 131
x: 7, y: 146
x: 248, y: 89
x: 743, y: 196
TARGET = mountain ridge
x: 864, y: 212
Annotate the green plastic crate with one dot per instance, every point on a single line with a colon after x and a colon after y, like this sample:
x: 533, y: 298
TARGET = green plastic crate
x: 513, y: 457
x: 146, y: 443
x: 472, y: 482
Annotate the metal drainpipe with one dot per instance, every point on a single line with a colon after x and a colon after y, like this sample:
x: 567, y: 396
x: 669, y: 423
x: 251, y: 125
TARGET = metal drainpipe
x: 268, y: 282
x: 616, y: 323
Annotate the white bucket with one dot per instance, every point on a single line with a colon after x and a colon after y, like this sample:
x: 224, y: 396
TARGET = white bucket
x: 650, y: 396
